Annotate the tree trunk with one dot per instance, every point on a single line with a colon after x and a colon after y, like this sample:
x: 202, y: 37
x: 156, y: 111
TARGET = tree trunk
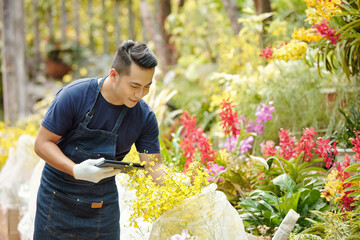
x: 90, y: 15
x: 131, y: 22
x: 164, y: 12
x: 262, y: 6
x: 77, y: 19
x: 77, y: 31
x: 232, y: 10
x: 35, y: 66
x: 162, y: 46
x: 14, y: 75
x: 105, y: 34
x: 164, y: 9
x: 117, y: 23
x: 181, y: 3
x: 63, y: 20
x: 50, y: 19
x: 143, y: 31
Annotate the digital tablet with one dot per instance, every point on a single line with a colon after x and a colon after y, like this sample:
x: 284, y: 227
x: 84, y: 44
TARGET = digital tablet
x: 124, y: 166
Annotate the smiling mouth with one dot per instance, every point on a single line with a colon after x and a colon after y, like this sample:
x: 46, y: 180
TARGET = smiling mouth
x: 133, y: 100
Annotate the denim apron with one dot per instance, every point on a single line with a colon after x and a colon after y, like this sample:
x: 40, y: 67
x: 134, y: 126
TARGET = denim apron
x: 73, y: 209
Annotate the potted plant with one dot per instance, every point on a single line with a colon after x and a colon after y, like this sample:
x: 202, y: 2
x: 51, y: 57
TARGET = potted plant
x: 61, y: 55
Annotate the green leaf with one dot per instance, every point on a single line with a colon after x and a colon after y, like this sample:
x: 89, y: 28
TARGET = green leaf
x: 268, y: 214
x: 355, y: 187
x: 290, y: 166
x: 311, y: 198
x: 289, y: 203
x: 297, y: 160
x: 353, y: 178
x: 249, y: 204
x: 309, y: 176
x: 276, y: 220
x: 266, y: 205
x: 310, y: 169
x: 353, y: 168
x: 354, y: 194
x: 285, y: 182
x: 320, y: 204
x: 349, y: 27
x: 261, y: 160
x: 305, y: 163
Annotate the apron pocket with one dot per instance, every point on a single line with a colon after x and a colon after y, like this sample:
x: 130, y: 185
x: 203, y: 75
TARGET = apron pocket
x: 78, y: 155
x: 73, y: 218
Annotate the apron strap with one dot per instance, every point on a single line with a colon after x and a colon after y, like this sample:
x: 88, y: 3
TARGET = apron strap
x: 90, y: 114
x: 120, y: 119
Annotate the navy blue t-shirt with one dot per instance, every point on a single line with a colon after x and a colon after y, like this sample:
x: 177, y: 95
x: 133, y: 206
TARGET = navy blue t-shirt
x: 73, y: 101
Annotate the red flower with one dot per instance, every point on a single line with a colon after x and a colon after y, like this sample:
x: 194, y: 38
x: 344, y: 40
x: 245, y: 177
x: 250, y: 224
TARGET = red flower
x: 188, y: 121
x: 346, y: 201
x: 267, y: 53
x: 306, y: 144
x: 286, y: 144
x: 325, y: 151
x: 229, y: 120
x: 194, y: 139
x: 268, y: 148
x: 356, y: 148
x: 328, y: 32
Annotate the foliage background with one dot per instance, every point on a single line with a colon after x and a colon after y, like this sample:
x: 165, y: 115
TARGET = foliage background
x: 212, y: 64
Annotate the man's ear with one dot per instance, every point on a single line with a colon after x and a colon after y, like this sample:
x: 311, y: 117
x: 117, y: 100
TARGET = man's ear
x: 113, y: 74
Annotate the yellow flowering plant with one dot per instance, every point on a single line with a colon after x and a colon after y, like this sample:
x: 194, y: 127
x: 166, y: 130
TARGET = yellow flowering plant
x: 154, y: 199
x: 343, y: 55
x: 319, y: 13
x: 9, y: 136
x: 291, y: 51
x: 341, y: 187
x: 307, y: 35
x: 320, y: 9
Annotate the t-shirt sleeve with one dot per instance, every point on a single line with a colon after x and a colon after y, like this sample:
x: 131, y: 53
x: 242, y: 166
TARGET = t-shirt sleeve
x: 59, y: 117
x: 148, y: 141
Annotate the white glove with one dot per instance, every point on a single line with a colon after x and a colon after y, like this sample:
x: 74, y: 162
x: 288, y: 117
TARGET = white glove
x: 87, y: 171
x: 176, y: 176
x: 180, y: 177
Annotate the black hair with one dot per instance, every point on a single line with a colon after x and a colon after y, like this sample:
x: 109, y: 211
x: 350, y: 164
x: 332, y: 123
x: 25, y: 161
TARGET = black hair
x: 133, y: 52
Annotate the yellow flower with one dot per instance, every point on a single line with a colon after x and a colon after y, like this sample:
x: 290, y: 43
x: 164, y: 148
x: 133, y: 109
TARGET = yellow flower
x: 153, y: 199
x: 294, y: 50
x: 67, y: 78
x: 308, y: 35
x: 83, y: 72
x: 9, y: 136
x: 320, y: 9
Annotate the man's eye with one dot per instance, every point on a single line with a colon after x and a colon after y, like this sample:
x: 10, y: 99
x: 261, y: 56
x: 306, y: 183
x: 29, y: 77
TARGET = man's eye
x: 133, y: 86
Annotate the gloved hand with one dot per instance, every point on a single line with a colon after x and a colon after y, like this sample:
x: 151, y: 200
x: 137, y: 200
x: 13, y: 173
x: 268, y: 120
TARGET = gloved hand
x: 177, y: 176
x: 181, y: 178
x: 87, y: 171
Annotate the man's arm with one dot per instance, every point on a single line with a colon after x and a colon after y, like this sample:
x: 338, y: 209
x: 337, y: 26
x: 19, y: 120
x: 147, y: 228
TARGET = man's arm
x: 154, y: 165
x: 46, y: 148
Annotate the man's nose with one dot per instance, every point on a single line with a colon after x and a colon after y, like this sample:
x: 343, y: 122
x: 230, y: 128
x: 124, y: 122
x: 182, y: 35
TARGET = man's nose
x: 139, y: 94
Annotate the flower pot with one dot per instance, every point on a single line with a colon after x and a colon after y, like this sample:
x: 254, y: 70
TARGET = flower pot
x: 56, y: 69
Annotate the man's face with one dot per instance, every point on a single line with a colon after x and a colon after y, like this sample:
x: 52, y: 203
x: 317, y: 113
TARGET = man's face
x: 129, y: 89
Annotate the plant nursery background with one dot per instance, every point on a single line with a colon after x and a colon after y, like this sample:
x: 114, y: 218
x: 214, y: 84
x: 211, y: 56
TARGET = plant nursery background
x: 260, y: 97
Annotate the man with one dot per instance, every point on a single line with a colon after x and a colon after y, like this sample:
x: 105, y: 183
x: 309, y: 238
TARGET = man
x: 88, y: 120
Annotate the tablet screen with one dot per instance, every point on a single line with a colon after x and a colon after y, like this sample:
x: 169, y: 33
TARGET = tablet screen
x: 126, y: 166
